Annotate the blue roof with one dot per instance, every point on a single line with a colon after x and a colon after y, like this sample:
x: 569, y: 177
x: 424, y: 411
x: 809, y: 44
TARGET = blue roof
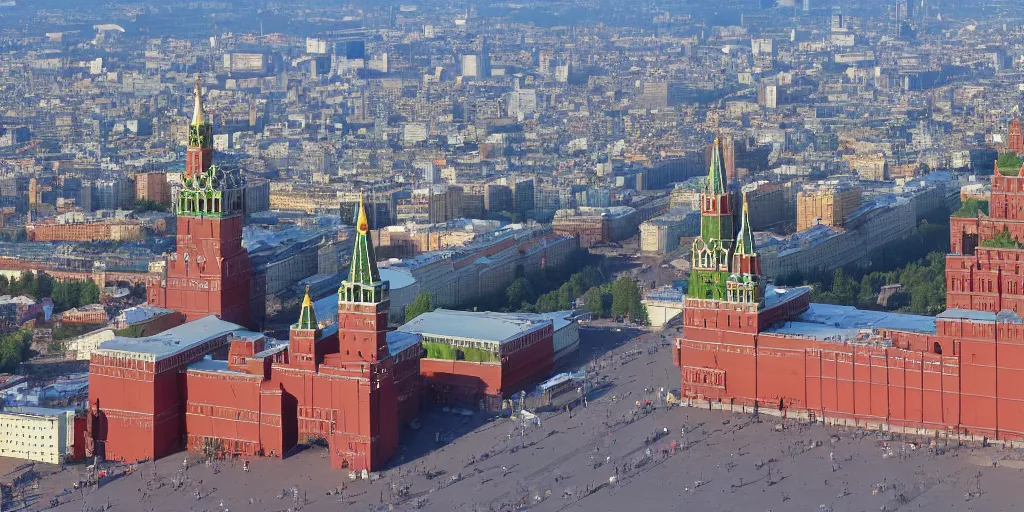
x: 842, y: 323
x: 968, y: 314
x: 208, y: 364
x: 399, y: 341
x: 981, y: 316
x: 477, y: 326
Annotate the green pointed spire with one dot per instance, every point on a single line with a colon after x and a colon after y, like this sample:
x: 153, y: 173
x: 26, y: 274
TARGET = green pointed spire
x: 363, y: 283
x: 307, y: 316
x: 716, y: 175
x: 745, y: 238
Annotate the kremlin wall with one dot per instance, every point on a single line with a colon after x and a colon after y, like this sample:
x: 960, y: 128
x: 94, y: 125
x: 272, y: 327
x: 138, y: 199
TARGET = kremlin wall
x: 749, y: 346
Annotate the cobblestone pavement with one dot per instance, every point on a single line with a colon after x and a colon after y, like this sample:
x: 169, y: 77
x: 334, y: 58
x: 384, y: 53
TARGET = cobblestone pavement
x: 610, y: 455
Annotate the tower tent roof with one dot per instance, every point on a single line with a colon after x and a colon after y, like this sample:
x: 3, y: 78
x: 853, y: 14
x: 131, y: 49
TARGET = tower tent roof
x: 745, y: 238
x: 363, y: 269
x: 307, y: 316
x: 716, y: 184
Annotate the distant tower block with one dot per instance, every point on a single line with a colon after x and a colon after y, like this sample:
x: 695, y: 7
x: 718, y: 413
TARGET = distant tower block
x: 1015, y: 138
x: 99, y: 273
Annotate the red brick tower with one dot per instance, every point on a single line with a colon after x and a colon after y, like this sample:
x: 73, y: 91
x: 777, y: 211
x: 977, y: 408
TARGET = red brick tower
x: 210, y: 272
x: 305, y: 346
x: 1015, y: 137
x: 363, y: 355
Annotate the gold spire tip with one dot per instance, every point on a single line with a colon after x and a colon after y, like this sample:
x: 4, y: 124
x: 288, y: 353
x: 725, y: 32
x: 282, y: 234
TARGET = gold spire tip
x: 361, y: 224
x: 198, y: 116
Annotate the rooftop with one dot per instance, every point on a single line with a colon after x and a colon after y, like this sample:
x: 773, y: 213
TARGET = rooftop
x: 142, y: 313
x: 208, y: 364
x: 272, y: 347
x: 479, y: 326
x: 595, y: 211
x: 45, y: 412
x: 399, y: 341
x: 829, y: 322
x: 775, y: 295
x: 675, y: 215
x: 980, y: 316
x: 172, y: 341
x: 397, y: 278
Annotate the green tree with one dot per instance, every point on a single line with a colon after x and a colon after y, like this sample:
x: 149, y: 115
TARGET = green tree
x: 626, y: 300
x: 421, y: 304
x: 5, y: 285
x: 148, y: 205
x: 74, y: 291
x: 27, y: 284
x: 89, y: 293
x: 14, y: 348
x: 59, y: 295
x: 520, y: 291
x: 970, y: 208
x: 870, y: 286
x: 594, y: 302
x: 844, y: 287
x: 1003, y: 240
x: 46, y: 284
x: 139, y: 291
x: 1009, y: 164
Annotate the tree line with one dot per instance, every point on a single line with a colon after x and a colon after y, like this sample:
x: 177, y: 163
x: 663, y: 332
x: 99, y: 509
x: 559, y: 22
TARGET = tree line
x: 14, y: 348
x: 65, y: 294
x: 917, y: 264
x: 557, y: 289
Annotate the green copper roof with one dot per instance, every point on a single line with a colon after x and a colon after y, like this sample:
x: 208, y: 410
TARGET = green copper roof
x: 363, y: 283
x: 364, y: 263
x: 307, y: 316
x: 745, y: 238
x: 716, y: 174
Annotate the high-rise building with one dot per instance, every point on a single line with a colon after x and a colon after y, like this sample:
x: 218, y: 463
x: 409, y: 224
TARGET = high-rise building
x: 113, y: 194
x: 1015, y: 137
x: 209, y: 272
x: 485, y: 58
x: 498, y: 198
x: 827, y: 203
x: 471, y: 66
x: 524, y: 198
x: 153, y: 186
x: 316, y: 46
x: 653, y: 94
x: 431, y: 174
x: 522, y: 102
x: 351, y: 49
x: 544, y: 60
x: 768, y: 95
